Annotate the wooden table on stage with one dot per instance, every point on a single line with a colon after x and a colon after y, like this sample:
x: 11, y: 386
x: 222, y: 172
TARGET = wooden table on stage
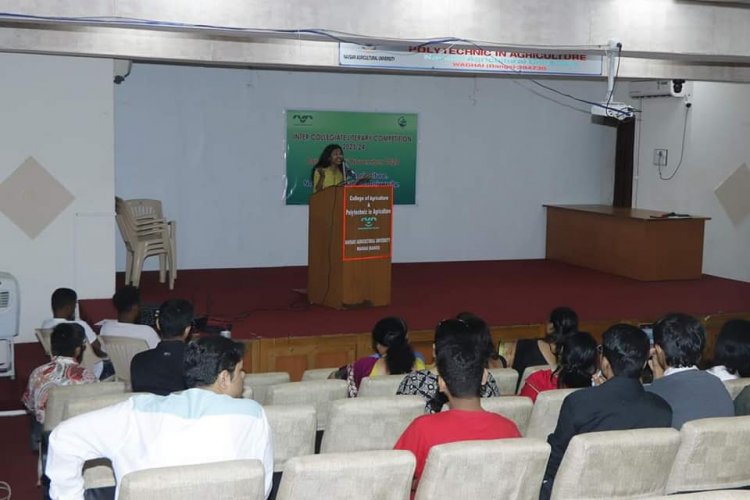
x: 628, y: 242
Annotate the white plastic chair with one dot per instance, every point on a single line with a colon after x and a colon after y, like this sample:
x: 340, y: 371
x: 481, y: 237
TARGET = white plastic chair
x: 121, y: 351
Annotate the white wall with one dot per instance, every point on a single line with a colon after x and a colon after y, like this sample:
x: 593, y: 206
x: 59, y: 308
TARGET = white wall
x: 716, y: 144
x: 59, y: 110
x: 210, y: 143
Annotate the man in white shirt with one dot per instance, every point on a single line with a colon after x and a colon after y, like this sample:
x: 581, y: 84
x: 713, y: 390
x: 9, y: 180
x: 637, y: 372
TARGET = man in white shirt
x: 127, y: 301
x: 64, y: 301
x: 209, y: 422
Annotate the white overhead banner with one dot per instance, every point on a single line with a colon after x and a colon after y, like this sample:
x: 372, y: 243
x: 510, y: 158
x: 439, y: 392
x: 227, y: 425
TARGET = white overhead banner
x: 469, y: 59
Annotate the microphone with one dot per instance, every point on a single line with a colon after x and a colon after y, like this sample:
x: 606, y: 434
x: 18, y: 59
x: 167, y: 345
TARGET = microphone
x: 348, y: 173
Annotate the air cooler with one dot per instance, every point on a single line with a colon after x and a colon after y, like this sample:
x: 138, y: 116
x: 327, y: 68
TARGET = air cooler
x: 9, y: 312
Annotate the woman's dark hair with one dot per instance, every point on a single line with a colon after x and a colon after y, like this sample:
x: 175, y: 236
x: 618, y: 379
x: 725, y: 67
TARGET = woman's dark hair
x: 576, y: 361
x: 564, y: 322
x: 325, y: 159
x: 391, y: 332
x: 733, y: 347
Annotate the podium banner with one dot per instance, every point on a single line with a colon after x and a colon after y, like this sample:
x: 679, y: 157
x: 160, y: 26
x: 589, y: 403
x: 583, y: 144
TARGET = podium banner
x: 381, y: 147
x: 368, y: 222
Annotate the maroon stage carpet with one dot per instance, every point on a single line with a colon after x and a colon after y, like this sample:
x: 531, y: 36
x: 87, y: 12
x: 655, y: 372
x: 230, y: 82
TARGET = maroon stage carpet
x: 262, y: 303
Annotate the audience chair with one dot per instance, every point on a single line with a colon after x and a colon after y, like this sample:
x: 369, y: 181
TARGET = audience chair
x: 479, y: 470
x: 317, y: 374
x: 364, y: 475
x: 319, y: 393
x: 616, y: 464
x: 713, y: 455
x: 735, y: 386
x: 545, y: 412
x: 44, y: 335
x: 59, y: 395
x: 121, y: 351
x: 709, y: 495
x: 382, y: 386
x: 247, y: 392
x: 292, y: 431
x: 260, y: 382
x: 528, y: 371
x: 506, y: 379
x: 98, y: 473
x: 79, y: 406
x: 146, y: 234
x: 369, y: 423
x: 231, y: 480
x: 515, y: 408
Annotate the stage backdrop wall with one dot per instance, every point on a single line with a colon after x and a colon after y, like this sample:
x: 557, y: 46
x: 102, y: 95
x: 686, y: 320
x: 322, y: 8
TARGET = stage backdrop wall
x: 715, y: 146
x: 58, y: 110
x: 210, y: 143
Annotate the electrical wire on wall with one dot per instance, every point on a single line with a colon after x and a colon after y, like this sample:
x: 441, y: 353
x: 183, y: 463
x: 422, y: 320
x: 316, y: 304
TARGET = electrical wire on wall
x: 682, y: 148
x: 331, y: 35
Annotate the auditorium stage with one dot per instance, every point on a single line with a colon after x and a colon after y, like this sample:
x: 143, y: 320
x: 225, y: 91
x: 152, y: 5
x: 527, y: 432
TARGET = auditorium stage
x: 263, y: 303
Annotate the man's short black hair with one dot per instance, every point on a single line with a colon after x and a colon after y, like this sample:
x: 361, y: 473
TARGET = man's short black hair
x: 174, y: 316
x: 682, y: 339
x: 626, y: 348
x: 733, y: 347
x: 206, y: 358
x: 66, y: 338
x: 126, y: 298
x: 63, y: 297
x: 460, y: 361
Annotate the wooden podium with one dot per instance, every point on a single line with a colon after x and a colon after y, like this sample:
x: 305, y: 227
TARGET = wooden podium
x: 349, y: 246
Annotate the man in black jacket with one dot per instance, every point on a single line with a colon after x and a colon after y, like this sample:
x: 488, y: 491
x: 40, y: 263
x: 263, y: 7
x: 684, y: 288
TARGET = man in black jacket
x: 620, y: 403
x: 160, y: 370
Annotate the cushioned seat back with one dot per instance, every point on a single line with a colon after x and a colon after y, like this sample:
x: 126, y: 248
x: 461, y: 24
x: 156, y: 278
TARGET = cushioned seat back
x: 546, y: 410
x: 78, y: 406
x: 259, y: 382
x: 503, y: 468
x: 318, y: 393
x: 317, y: 374
x: 364, y: 475
x: 58, y: 395
x: 515, y: 408
x: 506, y: 379
x: 236, y: 479
x: 616, y: 464
x: 292, y: 431
x: 382, y: 386
x: 735, y: 386
x: 714, y: 454
x: 361, y: 424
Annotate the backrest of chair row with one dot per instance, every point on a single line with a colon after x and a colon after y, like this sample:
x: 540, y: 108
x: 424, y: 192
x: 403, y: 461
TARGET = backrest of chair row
x: 317, y: 374
x: 545, y: 413
x: 381, y: 386
x: 515, y: 408
x: 78, y: 406
x: 708, y: 495
x: 713, y: 454
x: 293, y: 430
x: 529, y: 370
x: 319, y: 393
x: 381, y: 475
x: 735, y: 386
x: 260, y: 382
x: 121, y: 351
x: 506, y: 379
x: 361, y: 424
x: 236, y: 479
x: 508, y: 468
x: 616, y: 464
x: 58, y: 395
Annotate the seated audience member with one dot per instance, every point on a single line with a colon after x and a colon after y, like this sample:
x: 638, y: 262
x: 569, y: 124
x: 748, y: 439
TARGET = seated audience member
x: 563, y: 321
x: 209, y: 422
x: 461, y: 364
x: 64, y: 301
x: 619, y: 403
x: 127, y: 301
x: 496, y: 360
x: 67, y: 344
x: 742, y: 402
x: 161, y: 370
x: 679, y: 340
x: 732, y: 351
x: 576, y: 364
x: 425, y: 382
x: 393, y: 355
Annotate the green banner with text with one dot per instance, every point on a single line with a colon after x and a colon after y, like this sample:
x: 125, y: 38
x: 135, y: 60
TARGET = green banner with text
x: 379, y: 148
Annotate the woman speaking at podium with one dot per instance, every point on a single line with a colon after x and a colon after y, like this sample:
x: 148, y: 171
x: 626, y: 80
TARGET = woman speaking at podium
x: 329, y: 171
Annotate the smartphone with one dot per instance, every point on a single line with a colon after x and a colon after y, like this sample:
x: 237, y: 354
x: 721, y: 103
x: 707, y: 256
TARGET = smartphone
x: 648, y: 329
